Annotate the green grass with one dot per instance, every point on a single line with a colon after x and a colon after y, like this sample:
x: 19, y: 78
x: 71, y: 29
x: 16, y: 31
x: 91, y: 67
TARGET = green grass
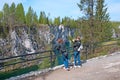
x: 109, y: 43
x: 5, y: 75
x: 20, y: 71
x: 104, y: 48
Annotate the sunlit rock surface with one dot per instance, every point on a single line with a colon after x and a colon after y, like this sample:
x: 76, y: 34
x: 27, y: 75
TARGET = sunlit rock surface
x: 26, y: 40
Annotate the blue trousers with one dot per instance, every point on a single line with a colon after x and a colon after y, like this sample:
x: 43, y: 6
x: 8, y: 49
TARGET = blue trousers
x: 77, y: 60
x: 65, y: 61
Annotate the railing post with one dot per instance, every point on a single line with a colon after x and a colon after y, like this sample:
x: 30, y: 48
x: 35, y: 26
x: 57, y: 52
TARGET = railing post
x: 51, y: 59
x: 1, y: 64
x: 86, y: 52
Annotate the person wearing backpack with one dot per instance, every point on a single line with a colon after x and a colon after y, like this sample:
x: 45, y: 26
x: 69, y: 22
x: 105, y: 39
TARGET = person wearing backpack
x: 76, y: 51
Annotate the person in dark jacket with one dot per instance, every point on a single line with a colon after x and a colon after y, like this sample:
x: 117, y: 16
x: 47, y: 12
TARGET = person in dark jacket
x: 57, y: 53
x: 63, y: 51
x: 76, y: 52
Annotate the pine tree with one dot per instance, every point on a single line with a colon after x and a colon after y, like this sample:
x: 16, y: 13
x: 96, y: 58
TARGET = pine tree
x: 43, y: 18
x: 102, y: 19
x: 6, y: 19
x: 12, y: 8
x: 29, y: 17
x: 1, y: 23
x: 35, y: 19
x: 20, y: 15
x: 5, y: 14
x: 95, y: 22
x: 12, y: 14
x: 87, y: 7
x: 1, y: 18
x: 57, y: 21
x: 65, y: 21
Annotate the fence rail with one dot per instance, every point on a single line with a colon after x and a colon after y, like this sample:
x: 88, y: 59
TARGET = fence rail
x: 13, y: 60
x: 8, y: 61
x: 17, y: 65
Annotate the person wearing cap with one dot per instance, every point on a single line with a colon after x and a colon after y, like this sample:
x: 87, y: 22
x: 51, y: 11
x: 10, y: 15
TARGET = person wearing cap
x: 76, y: 52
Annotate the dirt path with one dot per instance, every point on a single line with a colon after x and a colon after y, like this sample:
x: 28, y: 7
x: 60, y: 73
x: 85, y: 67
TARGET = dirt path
x: 102, y: 68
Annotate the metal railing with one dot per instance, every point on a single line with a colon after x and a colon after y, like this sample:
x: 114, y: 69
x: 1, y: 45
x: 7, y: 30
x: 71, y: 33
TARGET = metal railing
x: 40, y: 56
x: 8, y: 61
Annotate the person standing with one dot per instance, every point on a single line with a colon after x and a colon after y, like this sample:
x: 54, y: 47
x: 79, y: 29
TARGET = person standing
x: 76, y: 51
x: 58, y: 55
x: 63, y: 51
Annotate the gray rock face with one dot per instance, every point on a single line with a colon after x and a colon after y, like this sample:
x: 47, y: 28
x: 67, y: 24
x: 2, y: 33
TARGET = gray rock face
x: 25, y: 40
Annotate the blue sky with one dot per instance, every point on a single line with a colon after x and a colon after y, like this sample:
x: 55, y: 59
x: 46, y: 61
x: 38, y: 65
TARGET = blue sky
x: 63, y: 8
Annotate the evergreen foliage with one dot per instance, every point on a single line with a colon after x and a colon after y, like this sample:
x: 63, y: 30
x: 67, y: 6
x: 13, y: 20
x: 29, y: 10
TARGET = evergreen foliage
x: 43, y: 18
x: 57, y: 21
x: 35, y: 19
x: 95, y: 23
x: 29, y: 17
x: 19, y: 14
x: 5, y: 14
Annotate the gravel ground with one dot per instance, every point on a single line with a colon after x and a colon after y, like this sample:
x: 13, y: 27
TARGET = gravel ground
x: 100, y: 68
